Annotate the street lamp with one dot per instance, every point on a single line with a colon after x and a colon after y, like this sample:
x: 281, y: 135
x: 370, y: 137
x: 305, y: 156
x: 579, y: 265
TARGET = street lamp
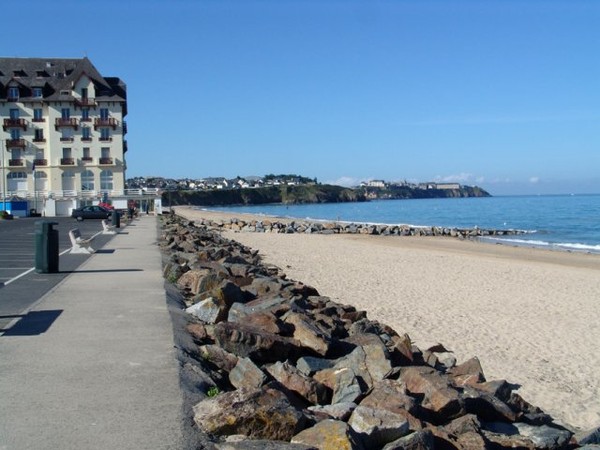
x: 3, y: 176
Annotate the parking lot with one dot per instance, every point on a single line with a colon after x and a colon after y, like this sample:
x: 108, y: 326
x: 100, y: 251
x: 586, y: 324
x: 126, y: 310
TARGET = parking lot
x: 20, y: 285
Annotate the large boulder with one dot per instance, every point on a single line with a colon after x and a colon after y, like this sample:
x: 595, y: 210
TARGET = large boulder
x: 329, y: 435
x: 261, y: 413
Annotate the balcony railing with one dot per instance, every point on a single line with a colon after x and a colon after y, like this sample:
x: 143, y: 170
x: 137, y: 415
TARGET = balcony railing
x: 86, y: 139
x: 15, y: 162
x: 87, y: 159
x: 67, y: 139
x: 105, y: 161
x: 40, y: 162
x: 10, y: 143
x: 14, y: 123
x: 67, y: 161
x: 85, y: 101
x: 39, y: 119
x: 63, y: 122
x: 105, y: 139
x: 39, y: 140
x: 108, y: 122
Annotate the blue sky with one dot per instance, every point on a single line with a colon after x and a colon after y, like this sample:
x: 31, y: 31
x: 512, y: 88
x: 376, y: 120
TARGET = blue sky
x: 502, y: 94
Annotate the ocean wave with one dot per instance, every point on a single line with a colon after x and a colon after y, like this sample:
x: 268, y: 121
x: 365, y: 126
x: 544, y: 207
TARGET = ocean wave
x: 567, y: 246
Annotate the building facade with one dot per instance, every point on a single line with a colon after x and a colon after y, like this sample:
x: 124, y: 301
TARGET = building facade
x: 63, y: 133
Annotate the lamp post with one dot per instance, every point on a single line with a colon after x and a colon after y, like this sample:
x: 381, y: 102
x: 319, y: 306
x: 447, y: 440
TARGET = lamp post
x: 3, y: 176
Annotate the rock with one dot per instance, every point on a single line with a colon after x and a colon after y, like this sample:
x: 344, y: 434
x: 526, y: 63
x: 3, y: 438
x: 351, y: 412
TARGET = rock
x: 295, y: 381
x: 329, y: 435
x: 263, y: 413
x: 588, y: 437
x: 228, y: 293
x: 487, y: 407
x: 376, y: 357
x: 260, y: 346
x: 199, y: 333
x: 391, y: 395
x: 210, y: 310
x: 419, y: 440
x: 522, y: 434
x: 467, y: 373
x: 218, y: 357
x: 308, y: 334
x: 261, y: 444
x: 246, y: 374
x: 338, y: 411
x: 439, y: 397
x: 192, y: 280
x: 308, y: 365
x: 238, y: 311
x: 346, y: 386
x: 377, y: 427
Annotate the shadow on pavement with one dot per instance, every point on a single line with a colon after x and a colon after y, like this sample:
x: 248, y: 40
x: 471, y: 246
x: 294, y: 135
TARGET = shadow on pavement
x: 34, y: 323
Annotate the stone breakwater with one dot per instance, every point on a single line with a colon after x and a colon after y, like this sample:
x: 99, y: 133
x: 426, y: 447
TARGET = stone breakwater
x: 269, y: 363
x: 322, y: 227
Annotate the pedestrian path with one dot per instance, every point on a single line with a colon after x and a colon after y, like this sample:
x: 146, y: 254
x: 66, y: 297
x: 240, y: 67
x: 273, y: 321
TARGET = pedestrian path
x: 92, y: 365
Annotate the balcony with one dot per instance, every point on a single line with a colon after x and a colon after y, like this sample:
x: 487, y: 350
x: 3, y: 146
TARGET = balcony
x: 105, y: 139
x: 62, y: 122
x: 39, y: 140
x: 86, y: 139
x: 38, y: 119
x: 40, y: 162
x: 87, y: 159
x: 107, y: 122
x: 67, y: 161
x: 14, y: 123
x: 11, y: 143
x: 105, y: 161
x: 85, y: 101
x: 67, y: 139
x: 124, y: 127
x: 15, y: 162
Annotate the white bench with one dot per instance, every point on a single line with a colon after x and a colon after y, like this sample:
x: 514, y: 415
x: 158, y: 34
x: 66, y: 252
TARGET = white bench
x: 78, y: 244
x: 107, y: 228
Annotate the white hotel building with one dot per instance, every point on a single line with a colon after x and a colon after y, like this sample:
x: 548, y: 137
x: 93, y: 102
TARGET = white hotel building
x: 62, y: 138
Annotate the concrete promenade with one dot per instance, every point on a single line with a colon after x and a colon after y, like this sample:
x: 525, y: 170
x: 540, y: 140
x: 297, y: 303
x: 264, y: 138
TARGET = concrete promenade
x: 92, y: 365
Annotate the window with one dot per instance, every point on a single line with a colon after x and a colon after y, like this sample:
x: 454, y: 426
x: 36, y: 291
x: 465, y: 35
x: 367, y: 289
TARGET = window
x: 86, y: 154
x: 16, y: 175
x: 39, y: 135
x: 13, y: 93
x: 87, y: 180
x: 66, y: 134
x: 14, y: 113
x: 106, y: 180
x: 38, y: 115
x: 85, y: 114
x: 65, y: 113
x: 104, y: 134
x: 37, y: 92
x: 104, y: 113
x: 15, y: 134
x: 66, y: 152
x: 84, y: 93
x: 105, y: 152
x: 85, y: 133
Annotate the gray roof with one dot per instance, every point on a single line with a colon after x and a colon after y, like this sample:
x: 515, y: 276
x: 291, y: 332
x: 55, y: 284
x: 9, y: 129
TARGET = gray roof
x: 54, y: 75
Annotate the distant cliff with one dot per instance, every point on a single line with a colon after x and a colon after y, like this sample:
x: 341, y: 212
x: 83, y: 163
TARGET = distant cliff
x: 407, y: 192
x: 309, y: 193
x: 313, y: 193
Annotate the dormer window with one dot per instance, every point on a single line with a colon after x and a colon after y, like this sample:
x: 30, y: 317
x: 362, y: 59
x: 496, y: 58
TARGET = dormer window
x: 41, y: 74
x: 65, y: 92
x: 19, y: 73
x: 37, y: 92
x: 13, y: 93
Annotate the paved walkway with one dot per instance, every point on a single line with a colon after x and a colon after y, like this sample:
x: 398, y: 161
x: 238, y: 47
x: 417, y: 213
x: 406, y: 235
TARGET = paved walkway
x: 92, y: 366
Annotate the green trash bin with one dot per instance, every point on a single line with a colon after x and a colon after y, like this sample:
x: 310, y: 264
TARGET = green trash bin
x: 46, y: 247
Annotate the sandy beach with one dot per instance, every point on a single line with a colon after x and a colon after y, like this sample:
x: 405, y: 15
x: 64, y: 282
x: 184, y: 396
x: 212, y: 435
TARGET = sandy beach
x: 529, y: 315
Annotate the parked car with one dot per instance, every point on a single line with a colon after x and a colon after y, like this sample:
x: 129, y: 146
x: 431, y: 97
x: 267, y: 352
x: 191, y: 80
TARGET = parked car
x: 91, y: 212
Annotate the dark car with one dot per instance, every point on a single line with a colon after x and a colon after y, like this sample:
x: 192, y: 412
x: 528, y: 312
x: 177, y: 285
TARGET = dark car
x: 91, y: 212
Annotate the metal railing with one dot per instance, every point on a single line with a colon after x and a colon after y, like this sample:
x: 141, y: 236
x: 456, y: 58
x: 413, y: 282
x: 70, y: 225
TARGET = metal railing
x: 70, y: 193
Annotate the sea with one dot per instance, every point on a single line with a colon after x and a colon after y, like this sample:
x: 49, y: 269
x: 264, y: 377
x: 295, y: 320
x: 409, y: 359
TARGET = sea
x: 557, y: 222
